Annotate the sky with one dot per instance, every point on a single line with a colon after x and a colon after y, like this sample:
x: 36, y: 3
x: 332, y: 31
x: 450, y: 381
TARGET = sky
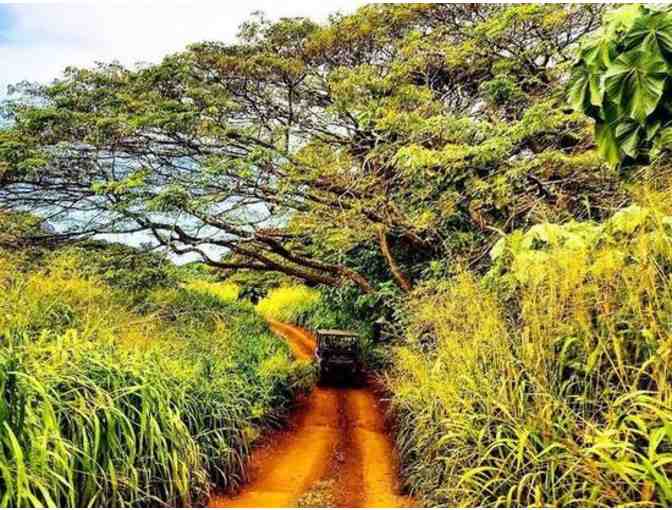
x: 38, y: 40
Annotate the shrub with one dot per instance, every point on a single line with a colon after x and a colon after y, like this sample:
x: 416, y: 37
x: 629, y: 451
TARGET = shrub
x: 122, y: 267
x: 621, y: 79
x: 221, y: 290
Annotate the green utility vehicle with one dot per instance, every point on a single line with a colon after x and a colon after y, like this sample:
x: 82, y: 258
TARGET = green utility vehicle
x: 338, y: 356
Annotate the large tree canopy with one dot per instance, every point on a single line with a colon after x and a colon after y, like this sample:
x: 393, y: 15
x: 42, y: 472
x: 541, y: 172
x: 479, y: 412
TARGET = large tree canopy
x: 417, y: 131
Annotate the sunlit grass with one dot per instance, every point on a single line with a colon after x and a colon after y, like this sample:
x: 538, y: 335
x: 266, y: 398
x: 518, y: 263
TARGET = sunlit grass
x: 221, y: 290
x: 547, y: 383
x: 107, y: 405
x: 288, y: 304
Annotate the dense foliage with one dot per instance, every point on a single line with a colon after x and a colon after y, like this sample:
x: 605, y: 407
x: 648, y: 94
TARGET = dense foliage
x: 113, y: 400
x: 124, y: 267
x: 432, y: 164
x: 361, y: 152
x: 622, y: 79
x: 289, y: 303
x: 547, y: 382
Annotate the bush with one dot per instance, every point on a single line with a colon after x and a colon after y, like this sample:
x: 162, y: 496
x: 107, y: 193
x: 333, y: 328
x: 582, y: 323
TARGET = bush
x: 102, y: 406
x: 547, y: 382
x: 621, y: 79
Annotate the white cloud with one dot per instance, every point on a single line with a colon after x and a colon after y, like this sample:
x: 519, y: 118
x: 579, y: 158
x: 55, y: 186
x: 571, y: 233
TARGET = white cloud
x: 47, y: 37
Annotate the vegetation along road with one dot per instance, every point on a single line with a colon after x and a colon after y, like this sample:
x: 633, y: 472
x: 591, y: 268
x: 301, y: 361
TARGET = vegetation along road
x: 335, y: 452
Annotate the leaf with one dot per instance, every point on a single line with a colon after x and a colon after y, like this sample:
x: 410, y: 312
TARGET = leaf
x: 651, y: 33
x: 629, y: 219
x: 544, y: 233
x: 635, y: 83
x: 593, y: 359
x: 584, y: 89
x: 628, y: 135
x: 652, y: 129
x: 606, y: 143
x: 599, y: 53
x: 622, y: 18
x: 498, y: 249
x: 663, y: 142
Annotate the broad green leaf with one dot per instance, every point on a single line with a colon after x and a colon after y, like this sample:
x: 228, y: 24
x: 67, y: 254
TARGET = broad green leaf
x: 606, y: 143
x: 584, y: 89
x: 622, y: 18
x: 599, y: 54
x: 609, y: 113
x: 652, y: 129
x: 652, y: 33
x: 628, y: 135
x: 635, y: 82
x: 663, y: 142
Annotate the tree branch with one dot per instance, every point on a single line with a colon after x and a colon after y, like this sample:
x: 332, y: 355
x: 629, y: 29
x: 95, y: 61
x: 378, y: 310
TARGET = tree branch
x: 401, y: 279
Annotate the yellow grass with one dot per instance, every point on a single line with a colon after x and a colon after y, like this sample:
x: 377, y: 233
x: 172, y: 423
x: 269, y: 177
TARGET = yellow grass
x: 288, y: 303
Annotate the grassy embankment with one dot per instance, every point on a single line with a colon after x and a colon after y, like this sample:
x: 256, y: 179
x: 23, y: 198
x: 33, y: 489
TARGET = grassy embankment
x: 547, y: 382
x: 290, y: 303
x: 118, y: 392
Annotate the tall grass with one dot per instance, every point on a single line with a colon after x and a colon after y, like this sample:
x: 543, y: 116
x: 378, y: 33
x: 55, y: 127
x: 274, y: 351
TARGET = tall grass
x: 547, y: 383
x: 221, y: 290
x: 104, y: 405
x: 289, y: 303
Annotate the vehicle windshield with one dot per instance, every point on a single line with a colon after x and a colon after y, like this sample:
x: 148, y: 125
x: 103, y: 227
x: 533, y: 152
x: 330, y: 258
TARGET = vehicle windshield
x: 338, y: 344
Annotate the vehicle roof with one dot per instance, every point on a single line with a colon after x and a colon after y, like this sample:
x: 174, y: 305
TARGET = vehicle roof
x: 336, y: 332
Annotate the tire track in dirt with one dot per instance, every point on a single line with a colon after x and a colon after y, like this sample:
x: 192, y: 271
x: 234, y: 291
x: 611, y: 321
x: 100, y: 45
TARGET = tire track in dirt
x: 375, y: 450
x: 335, y: 450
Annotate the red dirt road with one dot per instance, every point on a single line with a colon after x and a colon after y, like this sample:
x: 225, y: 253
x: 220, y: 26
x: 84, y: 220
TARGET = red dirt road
x: 335, y: 452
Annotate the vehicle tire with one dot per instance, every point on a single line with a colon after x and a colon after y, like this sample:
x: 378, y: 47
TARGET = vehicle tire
x: 324, y: 376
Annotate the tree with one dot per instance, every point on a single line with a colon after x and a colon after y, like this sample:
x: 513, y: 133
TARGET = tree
x: 418, y: 131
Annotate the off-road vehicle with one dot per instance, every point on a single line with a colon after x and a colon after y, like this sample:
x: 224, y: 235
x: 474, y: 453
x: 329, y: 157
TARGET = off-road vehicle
x: 338, y: 356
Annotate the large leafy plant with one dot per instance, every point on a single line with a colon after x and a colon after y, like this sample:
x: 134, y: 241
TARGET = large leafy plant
x: 622, y: 80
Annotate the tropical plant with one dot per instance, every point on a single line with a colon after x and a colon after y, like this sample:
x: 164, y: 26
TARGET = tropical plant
x: 622, y: 80
x: 546, y: 383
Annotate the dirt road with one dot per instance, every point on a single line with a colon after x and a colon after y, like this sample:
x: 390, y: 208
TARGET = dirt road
x: 335, y: 451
